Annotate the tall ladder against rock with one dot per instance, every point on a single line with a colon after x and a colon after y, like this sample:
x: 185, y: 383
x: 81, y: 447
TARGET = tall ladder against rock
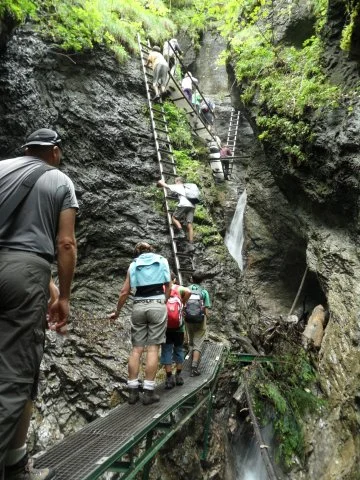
x: 200, y: 128
x: 167, y: 165
x: 232, y: 136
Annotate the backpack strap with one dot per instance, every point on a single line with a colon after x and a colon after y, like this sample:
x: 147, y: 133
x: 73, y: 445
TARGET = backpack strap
x: 13, y: 201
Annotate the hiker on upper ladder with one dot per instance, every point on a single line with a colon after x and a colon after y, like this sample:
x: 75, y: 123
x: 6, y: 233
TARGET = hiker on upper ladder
x: 160, y: 68
x: 189, y: 196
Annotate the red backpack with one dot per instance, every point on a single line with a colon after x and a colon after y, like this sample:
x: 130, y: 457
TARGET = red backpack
x: 174, y: 309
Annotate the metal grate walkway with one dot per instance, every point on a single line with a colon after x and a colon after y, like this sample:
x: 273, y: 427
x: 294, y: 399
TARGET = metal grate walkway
x: 121, y: 440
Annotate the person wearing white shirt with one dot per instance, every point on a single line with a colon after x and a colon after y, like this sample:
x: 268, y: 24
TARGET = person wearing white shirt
x: 187, y: 85
x: 185, y: 209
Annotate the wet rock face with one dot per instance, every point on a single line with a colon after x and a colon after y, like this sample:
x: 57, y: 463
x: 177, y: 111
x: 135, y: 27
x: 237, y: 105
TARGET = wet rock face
x: 108, y: 148
x: 309, y: 216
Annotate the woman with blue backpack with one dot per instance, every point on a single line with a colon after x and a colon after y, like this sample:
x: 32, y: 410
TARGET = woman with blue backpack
x: 149, y: 274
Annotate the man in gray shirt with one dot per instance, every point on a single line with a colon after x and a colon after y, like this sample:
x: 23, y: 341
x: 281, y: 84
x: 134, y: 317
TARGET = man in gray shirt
x: 43, y: 220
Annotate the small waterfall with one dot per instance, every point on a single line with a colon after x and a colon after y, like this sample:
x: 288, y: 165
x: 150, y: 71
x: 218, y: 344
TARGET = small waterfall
x: 248, y: 461
x: 234, y: 238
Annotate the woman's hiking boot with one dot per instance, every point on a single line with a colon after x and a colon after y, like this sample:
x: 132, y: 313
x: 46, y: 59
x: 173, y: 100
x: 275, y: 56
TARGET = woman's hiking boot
x: 170, y: 382
x: 195, y: 372
x: 179, y: 380
x: 24, y: 470
x: 150, y: 397
x: 133, y: 396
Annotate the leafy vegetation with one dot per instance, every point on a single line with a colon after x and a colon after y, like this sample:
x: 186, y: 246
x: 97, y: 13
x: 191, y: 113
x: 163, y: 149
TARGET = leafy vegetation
x: 179, y: 131
x: 282, y: 395
x: 190, y: 157
x: 282, y: 81
x: 18, y: 9
x: 75, y: 26
x: 352, y: 11
x: 285, y: 82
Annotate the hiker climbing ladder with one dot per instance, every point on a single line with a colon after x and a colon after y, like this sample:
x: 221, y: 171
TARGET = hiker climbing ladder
x: 196, y: 122
x: 183, y: 261
x: 232, y: 135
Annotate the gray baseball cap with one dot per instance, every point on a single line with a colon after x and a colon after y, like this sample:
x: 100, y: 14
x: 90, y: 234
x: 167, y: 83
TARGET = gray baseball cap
x: 44, y: 136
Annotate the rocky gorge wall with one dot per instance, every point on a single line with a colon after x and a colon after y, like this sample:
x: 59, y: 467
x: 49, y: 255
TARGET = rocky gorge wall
x: 295, y: 218
x: 308, y: 216
x: 99, y: 108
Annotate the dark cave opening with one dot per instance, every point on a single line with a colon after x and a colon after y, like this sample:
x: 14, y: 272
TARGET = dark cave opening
x: 292, y: 274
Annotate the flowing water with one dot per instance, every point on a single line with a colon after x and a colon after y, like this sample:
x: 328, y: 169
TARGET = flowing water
x: 249, y: 464
x: 234, y: 238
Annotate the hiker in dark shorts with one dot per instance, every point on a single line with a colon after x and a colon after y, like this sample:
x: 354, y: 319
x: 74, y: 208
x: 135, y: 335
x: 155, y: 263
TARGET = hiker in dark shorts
x: 185, y: 209
x: 149, y: 274
x: 173, y: 348
x: 225, y: 155
x: 45, y: 216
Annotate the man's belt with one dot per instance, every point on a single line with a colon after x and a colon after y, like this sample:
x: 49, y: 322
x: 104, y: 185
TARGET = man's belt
x: 45, y: 256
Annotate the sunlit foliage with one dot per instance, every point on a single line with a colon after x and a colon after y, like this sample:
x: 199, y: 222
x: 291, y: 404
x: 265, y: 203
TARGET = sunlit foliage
x: 283, y: 393
x: 82, y: 24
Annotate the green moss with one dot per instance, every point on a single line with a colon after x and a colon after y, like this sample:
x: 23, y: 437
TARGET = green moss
x: 80, y: 25
x: 282, y: 395
x: 346, y: 35
x: 17, y: 9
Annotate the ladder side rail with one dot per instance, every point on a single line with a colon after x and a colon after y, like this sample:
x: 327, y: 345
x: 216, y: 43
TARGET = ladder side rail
x: 232, y: 136
x: 186, y: 70
x: 191, y: 106
x: 204, y: 125
x: 231, y: 163
x: 158, y: 153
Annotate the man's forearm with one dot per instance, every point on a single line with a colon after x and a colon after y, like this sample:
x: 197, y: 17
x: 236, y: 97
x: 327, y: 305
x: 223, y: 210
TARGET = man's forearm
x: 66, y: 258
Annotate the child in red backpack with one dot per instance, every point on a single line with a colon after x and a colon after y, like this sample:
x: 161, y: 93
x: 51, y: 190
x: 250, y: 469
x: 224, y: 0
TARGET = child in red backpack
x: 173, y: 350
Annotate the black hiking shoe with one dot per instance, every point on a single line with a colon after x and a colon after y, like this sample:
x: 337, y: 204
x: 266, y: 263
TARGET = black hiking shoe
x: 150, y: 397
x: 195, y: 372
x: 170, y: 382
x: 133, y: 396
x: 179, y: 380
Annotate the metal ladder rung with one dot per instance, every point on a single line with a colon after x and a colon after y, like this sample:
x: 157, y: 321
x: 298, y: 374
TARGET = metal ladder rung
x: 145, y: 46
x: 161, y: 130
x: 184, y: 255
x: 157, y: 111
x: 170, y: 174
x: 168, y: 162
x: 165, y: 151
x: 161, y: 121
x: 162, y: 140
